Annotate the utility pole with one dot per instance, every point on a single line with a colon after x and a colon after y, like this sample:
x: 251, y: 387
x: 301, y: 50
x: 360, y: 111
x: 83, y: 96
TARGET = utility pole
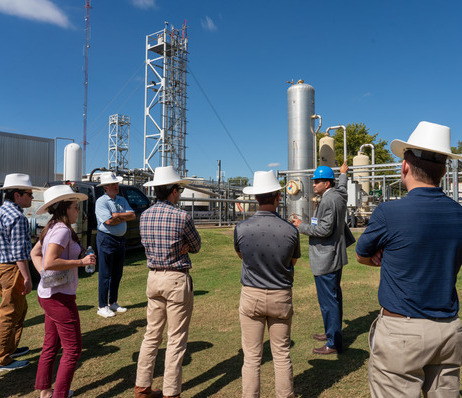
x: 87, y: 46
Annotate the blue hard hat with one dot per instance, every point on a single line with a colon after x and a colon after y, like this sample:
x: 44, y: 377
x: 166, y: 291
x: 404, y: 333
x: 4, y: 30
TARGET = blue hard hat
x: 323, y: 172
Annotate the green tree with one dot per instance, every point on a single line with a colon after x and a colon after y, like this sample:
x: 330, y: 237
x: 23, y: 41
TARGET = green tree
x: 357, y: 135
x: 458, y: 148
x: 238, y: 181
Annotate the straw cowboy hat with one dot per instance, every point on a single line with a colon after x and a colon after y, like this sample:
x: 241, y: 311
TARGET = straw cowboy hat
x: 263, y: 182
x: 109, y: 178
x: 166, y: 176
x: 429, y: 137
x: 19, y: 181
x: 58, y: 193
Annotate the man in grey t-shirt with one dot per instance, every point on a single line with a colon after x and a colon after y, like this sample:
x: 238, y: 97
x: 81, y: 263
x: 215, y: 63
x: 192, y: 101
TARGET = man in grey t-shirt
x: 269, y: 247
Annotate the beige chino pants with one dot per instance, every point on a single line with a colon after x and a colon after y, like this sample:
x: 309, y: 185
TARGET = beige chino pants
x: 257, y: 308
x: 13, y: 309
x: 410, y: 355
x: 170, y: 300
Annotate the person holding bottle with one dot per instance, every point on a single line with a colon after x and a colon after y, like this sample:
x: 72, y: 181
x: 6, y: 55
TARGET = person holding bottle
x: 56, y: 257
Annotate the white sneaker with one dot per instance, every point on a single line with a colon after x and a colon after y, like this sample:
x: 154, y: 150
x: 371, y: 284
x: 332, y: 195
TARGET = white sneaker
x: 105, y: 312
x: 117, y: 308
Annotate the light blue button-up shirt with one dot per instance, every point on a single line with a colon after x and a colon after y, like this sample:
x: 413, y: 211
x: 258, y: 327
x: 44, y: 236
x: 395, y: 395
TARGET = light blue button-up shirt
x: 104, y: 208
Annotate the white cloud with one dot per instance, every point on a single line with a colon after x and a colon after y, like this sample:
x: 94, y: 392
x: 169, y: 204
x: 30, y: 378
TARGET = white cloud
x: 368, y: 94
x: 144, y: 4
x: 208, y: 24
x: 36, y: 10
x: 274, y: 164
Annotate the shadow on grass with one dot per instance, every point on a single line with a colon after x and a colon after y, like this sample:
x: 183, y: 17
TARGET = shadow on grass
x: 224, y: 372
x: 200, y: 292
x: 123, y: 379
x: 326, y: 372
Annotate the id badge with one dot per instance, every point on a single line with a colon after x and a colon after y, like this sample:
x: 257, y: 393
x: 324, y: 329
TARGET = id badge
x: 314, y: 221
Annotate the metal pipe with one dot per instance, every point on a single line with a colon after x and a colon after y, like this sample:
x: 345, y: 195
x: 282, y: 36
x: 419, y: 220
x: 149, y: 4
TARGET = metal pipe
x: 380, y: 166
x: 340, y: 126
x: 315, y: 142
x: 455, y: 180
x: 373, y: 161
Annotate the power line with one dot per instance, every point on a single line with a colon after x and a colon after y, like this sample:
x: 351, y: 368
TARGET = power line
x: 220, y: 120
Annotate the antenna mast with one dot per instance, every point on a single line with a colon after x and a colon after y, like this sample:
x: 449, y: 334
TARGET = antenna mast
x: 87, y: 46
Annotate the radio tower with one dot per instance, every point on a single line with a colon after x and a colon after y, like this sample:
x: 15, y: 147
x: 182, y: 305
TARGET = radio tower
x: 87, y: 46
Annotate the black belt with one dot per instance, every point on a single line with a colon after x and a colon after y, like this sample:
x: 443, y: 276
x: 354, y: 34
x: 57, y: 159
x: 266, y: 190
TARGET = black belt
x: 183, y: 270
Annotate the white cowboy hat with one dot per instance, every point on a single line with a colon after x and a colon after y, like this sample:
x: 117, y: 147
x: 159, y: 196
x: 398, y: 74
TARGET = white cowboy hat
x: 166, y: 176
x: 429, y: 137
x: 18, y: 181
x: 58, y: 193
x: 109, y: 178
x: 263, y: 182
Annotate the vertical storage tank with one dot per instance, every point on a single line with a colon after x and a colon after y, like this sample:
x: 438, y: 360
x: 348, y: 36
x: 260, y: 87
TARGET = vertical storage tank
x: 361, y: 159
x: 72, y: 162
x: 300, y: 109
x: 327, y: 151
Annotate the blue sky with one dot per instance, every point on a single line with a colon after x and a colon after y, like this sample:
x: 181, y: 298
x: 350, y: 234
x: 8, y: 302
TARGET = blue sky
x: 388, y: 64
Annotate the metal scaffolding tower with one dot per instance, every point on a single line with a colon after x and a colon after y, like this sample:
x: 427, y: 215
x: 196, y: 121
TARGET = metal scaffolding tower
x: 119, y: 133
x: 165, y: 99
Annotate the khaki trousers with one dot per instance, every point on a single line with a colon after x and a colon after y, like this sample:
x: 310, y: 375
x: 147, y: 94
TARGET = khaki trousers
x: 409, y: 355
x: 170, y: 300
x: 13, y: 309
x: 257, y: 308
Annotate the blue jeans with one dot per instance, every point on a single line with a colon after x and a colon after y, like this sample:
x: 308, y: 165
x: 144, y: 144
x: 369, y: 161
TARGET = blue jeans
x: 331, y: 303
x: 111, y: 256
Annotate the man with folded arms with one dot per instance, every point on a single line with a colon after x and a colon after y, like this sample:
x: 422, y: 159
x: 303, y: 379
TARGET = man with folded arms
x: 112, y: 213
x: 168, y: 234
x: 15, y: 279
x: 416, y: 341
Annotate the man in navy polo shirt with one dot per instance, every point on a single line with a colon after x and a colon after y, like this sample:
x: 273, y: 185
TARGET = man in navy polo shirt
x: 416, y: 341
x: 112, y: 213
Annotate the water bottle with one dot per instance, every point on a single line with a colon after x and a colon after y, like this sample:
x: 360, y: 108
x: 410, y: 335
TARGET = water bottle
x: 90, y: 268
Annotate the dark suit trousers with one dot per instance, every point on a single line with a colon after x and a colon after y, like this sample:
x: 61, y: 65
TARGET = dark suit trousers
x: 331, y: 303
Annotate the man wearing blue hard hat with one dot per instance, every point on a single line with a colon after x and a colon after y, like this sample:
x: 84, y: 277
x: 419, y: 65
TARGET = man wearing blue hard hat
x: 328, y: 252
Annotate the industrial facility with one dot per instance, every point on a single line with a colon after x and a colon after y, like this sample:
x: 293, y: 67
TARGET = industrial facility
x: 165, y: 125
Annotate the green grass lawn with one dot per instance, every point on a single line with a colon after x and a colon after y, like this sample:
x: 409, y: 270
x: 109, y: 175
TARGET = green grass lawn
x: 213, y: 361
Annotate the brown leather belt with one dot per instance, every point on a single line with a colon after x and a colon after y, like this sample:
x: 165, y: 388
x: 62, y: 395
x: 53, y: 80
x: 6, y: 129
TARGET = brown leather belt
x: 394, y: 314
x: 389, y: 313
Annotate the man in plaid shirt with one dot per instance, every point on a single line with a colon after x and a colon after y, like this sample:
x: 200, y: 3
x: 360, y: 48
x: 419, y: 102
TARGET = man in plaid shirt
x: 168, y: 234
x: 15, y: 279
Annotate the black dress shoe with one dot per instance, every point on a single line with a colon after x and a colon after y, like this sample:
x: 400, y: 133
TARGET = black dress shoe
x: 324, y: 350
x: 320, y: 337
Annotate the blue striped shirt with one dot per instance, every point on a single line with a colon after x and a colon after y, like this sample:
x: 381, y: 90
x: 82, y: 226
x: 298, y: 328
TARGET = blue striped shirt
x: 164, y: 230
x: 15, y: 242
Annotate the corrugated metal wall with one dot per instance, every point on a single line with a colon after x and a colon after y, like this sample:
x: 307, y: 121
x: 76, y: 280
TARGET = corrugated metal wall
x: 26, y: 154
